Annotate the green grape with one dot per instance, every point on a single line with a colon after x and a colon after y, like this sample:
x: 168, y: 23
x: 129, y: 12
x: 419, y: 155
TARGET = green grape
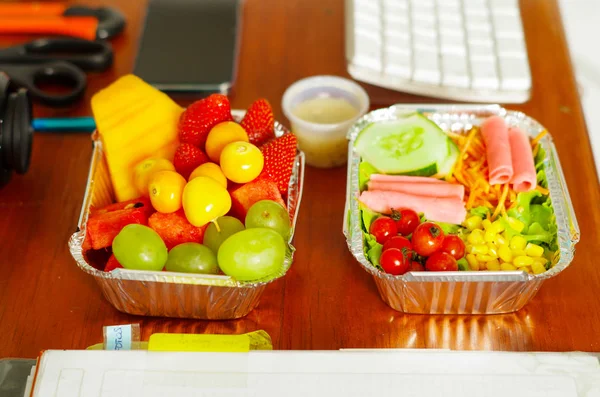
x: 192, y: 258
x: 228, y: 225
x: 138, y: 247
x: 252, y: 254
x: 269, y: 214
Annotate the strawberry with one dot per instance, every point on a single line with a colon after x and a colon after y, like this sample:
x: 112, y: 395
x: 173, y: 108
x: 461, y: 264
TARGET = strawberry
x: 280, y: 155
x: 244, y: 196
x: 112, y: 264
x: 201, y: 116
x: 187, y: 158
x: 259, y: 122
x: 175, y: 229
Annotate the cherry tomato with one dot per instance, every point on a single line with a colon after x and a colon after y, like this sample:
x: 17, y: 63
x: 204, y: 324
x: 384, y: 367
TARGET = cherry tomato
x: 416, y: 267
x: 441, y: 262
x: 427, y: 238
x: 454, y: 246
x: 402, y: 243
x: 406, y: 219
x: 383, y: 229
x: 393, y: 261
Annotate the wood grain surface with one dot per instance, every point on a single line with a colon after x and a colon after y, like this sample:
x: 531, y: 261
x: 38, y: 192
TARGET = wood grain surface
x: 326, y: 301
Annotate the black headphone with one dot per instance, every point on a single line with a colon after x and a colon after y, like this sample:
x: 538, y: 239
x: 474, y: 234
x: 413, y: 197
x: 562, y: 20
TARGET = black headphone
x: 16, y: 132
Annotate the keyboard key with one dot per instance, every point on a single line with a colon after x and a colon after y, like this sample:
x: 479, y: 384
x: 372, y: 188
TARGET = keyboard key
x: 396, y: 21
x: 420, y: 17
x: 510, y: 47
x: 424, y: 28
x: 398, y: 44
x: 398, y: 64
x: 477, y: 28
x: 454, y: 71
x: 482, y: 52
x: 450, y: 16
x: 508, y: 27
x: 367, y: 21
x: 482, y: 39
x: 401, y: 33
x: 425, y: 43
x: 477, y: 12
x: 450, y: 3
x: 426, y: 67
x: 453, y: 45
x: 367, y: 52
x: 505, y: 7
x: 515, y: 74
x: 395, y: 6
x: 484, y: 75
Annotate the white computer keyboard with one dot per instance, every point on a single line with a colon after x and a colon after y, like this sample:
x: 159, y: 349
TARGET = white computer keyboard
x: 465, y: 50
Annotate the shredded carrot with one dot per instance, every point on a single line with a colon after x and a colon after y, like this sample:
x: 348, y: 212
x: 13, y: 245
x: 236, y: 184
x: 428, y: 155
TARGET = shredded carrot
x: 536, y: 149
x: 542, y: 190
x: 501, y: 201
x: 538, y: 138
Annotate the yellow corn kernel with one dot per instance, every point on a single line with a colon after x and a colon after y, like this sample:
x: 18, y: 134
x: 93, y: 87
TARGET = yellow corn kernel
x: 527, y: 269
x: 505, y: 254
x: 489, y: 235
x: 484, y: 258
x: 492, y: 250
x: 534, y: 250
x: 473, y: 222
x: 538, y: 268
x: 507, y: 267
x: 472, y: 261
x: 521, y: 261
x: 497, y: 227
x: 541, y: 260
x: 481, y: 249
x: 493, y: 265
x: 476, y: 237
x: 517, y: 243
x: 486, y: 224
x: 515, y: 224
x: 499, y: 240
x: 518, y: 253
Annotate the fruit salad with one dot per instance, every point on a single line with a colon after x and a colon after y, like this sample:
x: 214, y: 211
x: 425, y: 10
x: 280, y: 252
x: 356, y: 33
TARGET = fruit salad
x: 196, y: 191
x: 435, y: 200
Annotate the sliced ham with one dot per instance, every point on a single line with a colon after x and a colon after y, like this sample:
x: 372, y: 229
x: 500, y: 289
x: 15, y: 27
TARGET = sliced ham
x: 403, y: 179
x: 433, y: 189
x: 497, y: 147
x: 449, y: 210
x: 524, y: 178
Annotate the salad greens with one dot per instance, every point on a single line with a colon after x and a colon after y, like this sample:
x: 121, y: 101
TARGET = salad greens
x: 372, y: 248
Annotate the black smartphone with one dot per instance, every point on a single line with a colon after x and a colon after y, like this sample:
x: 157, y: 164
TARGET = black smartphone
x: 189, y: 46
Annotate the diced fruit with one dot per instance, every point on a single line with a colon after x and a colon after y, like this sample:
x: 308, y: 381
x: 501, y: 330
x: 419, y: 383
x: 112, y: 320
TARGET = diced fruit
x: 383, y: 229
x: 192, y: 258
x: 271, y: 215
x: 280, y: 155
x: 103, y: 227
x: 221, y: 135
x: 252, y: 254
x: 393, y: 261
x: 144, y: 170
x: 212, y: 171
x: 241, y: 162
x: 204, y: 200
x: 227, y: 226
x: 441, y: 262
x: 135, y: 121
x: 112, y: 264
x: 166, y: 190
x: 140, y: 202
x: 401, y: 243
x: 259, y: 122
x: 139, y: 247
x: 187, y: 158
x: 244, y: 196
x: 175, y: 229
x: 201, y: 116
x: 427, y: 238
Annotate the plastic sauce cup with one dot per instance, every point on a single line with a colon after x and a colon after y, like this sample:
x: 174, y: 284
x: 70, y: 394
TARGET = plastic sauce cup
x: 324, y: 144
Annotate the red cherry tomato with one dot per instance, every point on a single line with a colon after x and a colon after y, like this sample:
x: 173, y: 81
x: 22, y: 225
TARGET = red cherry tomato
x: 406, y: 219
x: 454, y: 246
x: 427, y: 238
x: 416, y: 267
x: 402, y: 243
x: 393, y: 261
x: 383, y: 229
x: 441, y: 262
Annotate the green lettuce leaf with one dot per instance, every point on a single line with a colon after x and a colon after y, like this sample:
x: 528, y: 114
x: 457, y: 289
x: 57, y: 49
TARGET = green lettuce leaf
x: 373, y: 250
x: 449, y: 228
x: 537, y: 234
x: 463, y: 265
x: 539, y: 159
x: 365, y: 170
x: 542, y: 215
x: 481, y: 211
x: 542, y: 180
x: 368, y: 217
x: 522, y: 210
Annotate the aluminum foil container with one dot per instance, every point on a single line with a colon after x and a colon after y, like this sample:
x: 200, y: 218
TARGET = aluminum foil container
x: 169, y: 294
x: 465, y: 292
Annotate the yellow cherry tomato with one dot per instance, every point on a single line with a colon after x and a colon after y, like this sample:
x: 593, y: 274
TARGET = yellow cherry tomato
x: 144, y: 170
x: 210, y: 170
x: 204, y: 200
x: 221, y: 135
x: 241, y: 162
x: 166, y: 189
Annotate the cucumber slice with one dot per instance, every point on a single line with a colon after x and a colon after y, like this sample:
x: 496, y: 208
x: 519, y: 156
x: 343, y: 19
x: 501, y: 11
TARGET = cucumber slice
x: 445, y: 166
x: 413, y: 145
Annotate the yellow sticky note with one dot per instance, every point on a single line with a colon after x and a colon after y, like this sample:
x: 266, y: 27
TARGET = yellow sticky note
x: 198, y: 343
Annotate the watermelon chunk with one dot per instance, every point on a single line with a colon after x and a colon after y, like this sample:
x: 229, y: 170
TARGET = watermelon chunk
x: 112, y: 264
x: 244, y: 196
x: 103, y: 227
x: 140, y: 202
x: 175, y: 229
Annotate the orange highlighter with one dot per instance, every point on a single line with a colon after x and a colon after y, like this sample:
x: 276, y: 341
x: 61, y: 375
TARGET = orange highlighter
x: 60, y: 19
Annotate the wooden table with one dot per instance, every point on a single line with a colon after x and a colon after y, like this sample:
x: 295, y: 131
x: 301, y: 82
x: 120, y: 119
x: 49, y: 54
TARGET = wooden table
x: 326, y: 301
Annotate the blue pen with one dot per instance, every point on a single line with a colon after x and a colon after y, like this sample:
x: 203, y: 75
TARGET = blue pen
x: 70, y: 124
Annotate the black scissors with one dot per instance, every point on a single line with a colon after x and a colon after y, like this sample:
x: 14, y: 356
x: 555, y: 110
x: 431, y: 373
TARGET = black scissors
x: 58, y: 61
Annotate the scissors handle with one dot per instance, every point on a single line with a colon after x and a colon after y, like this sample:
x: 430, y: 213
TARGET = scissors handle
x: 63, y: 74
x: 88, y: 55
